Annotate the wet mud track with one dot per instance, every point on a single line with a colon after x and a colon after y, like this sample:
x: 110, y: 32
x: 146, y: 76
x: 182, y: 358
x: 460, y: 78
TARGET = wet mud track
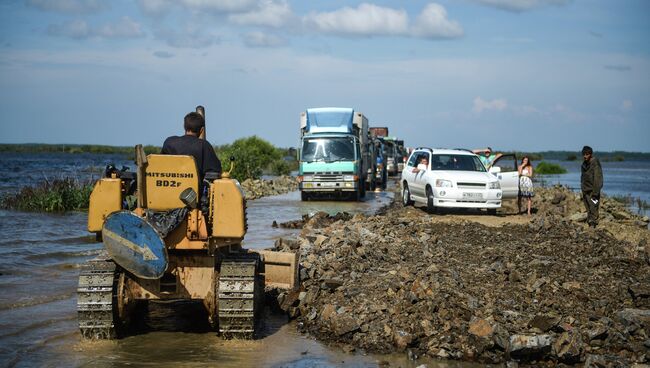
x: 40, y: 256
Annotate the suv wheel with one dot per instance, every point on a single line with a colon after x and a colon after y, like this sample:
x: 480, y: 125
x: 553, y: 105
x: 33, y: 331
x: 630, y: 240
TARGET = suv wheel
x: 430, y: 207
x: 406, y: 196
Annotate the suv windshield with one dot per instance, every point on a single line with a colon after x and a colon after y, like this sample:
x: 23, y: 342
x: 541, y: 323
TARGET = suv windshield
x: 456, y: 163
x: 329, y: 149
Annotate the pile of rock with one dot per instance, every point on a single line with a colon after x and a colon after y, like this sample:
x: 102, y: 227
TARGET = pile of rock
x: 258, y: 188
x: 561, y: 201
x: 551, y: 290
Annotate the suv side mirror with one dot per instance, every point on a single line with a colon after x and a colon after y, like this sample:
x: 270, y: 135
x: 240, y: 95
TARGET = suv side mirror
x: 495, y: 170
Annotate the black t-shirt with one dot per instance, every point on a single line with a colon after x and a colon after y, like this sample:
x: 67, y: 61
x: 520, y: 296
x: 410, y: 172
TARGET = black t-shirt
x: 202, y: 151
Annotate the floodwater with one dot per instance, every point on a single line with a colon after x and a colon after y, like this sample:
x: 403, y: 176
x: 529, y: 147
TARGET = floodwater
x: 40, y: 256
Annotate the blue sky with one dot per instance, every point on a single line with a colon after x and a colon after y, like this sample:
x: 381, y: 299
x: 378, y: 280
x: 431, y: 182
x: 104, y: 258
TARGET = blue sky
x: 512, y: 74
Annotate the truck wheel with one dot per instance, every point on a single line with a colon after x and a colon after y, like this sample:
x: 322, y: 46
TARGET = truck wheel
x: 362, y: 188
x: 430, y: 207
x: 304, y: 196
x: 384, y: 179
x: 406, y: 196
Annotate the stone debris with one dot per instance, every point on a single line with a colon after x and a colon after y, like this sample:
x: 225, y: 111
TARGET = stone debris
x: 258, y: 188
x: 548, y: 292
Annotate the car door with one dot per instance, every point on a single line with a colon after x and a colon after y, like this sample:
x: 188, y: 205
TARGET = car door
x: 420, y: 178
x: 505, y: 169
x: 407, y: 173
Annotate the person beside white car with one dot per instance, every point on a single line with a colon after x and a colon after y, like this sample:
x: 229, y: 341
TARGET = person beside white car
x: 444, y: 178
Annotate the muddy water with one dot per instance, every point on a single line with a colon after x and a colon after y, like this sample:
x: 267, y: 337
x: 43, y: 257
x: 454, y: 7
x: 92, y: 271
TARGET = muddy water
x: 39, y: 264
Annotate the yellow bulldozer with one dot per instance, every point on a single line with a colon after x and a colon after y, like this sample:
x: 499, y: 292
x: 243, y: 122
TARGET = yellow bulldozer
x: 174, y: 245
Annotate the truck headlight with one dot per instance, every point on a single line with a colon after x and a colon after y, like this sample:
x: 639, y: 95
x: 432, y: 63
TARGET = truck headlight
x: 494, y: 185
x: 441, y: 183
x: 308, y: 178
x: 349, y: 178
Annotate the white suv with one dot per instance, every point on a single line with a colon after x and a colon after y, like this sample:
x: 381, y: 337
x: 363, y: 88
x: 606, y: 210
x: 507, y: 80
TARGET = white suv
x: 451, y: 178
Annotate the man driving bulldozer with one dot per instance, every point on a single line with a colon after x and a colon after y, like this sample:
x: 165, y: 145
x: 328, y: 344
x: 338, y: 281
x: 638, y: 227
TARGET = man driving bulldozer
x: 190, y: 144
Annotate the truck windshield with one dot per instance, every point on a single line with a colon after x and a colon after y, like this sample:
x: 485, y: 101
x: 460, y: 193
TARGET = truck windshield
x: 456, y: 163
x: 329, y: 149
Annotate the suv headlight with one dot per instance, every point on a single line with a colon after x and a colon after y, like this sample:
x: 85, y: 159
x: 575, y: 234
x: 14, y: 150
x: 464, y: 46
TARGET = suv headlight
x: 494, y: 185
x: 308, y: 178
x: 441, y: 183
x: 349, y: 178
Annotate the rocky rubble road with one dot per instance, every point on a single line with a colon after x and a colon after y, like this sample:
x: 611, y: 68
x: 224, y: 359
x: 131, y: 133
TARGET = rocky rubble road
x: 258, y: 188
x: 530, y: 291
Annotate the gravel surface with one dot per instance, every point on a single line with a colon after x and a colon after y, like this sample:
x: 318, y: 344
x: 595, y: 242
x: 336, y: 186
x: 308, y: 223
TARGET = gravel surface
x: 528, y: 290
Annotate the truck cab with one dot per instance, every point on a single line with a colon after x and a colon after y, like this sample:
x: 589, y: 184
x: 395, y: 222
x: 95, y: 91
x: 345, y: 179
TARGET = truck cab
x: 334, y: 154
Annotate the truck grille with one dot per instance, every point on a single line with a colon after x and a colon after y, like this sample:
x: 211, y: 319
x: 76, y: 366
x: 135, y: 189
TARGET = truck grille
x: 471, y: 185
x: 328, y: 177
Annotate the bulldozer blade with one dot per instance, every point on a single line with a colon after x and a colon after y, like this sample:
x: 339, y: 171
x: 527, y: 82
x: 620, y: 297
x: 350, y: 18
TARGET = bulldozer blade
x: 135, y: 245
x: 280, y: 269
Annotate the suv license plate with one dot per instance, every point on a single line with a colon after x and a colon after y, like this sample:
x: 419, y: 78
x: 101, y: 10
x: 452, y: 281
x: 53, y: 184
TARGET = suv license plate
x: 473, y: 195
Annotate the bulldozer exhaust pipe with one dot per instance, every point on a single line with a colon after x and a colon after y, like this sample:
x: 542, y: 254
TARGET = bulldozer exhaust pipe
x: 201, y: 111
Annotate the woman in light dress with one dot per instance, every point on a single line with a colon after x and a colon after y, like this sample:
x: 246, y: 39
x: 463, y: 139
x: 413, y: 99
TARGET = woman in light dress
x: 525, y: 183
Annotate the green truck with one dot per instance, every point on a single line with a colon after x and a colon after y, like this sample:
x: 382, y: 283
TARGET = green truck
x: 335, y: 156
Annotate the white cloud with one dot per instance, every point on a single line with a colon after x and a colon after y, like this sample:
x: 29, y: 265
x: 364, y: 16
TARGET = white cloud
x: 79, y: 29
x: 158, y: 8
x: 124, y: 28
x: 219, y: 6
x: 626, y: 105
x: 365, y: 20
x: 269, y: 13
x: 369, y: 20
x: 521, y: 5
x: 163, y: 54
x: 481, y: 105
x: 187, y: 38
x: 68, y: 6
x: 155, y: 8
x: 433, y: 23
x: 261, y: 39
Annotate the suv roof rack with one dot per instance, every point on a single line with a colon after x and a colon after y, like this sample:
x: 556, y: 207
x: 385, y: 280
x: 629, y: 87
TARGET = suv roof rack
x: 423, y: 148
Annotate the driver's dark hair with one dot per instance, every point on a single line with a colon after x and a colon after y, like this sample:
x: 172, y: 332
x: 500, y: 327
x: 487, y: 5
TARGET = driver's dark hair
x: 529, y: 163
x: 193, y: 122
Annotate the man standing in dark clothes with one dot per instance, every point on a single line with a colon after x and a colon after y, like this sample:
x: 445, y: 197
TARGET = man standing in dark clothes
x: 591, y: 182
x: 190, y: 144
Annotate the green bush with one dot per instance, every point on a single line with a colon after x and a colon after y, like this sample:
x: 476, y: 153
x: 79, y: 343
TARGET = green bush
x: 252, y: 156
x: 280, y: 167
x: 571, y: 157
x: 56, y: 196
x: 547, y: 168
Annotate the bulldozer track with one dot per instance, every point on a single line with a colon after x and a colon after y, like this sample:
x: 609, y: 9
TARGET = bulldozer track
x: 238, y: 296
x: 97, y: 299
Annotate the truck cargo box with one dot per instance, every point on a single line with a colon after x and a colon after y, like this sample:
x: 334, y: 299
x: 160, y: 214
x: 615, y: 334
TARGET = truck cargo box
x: 378, y: 132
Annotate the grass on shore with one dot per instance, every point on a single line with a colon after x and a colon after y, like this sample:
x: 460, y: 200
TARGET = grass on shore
x: 547, y: 168
x: 50, y: 196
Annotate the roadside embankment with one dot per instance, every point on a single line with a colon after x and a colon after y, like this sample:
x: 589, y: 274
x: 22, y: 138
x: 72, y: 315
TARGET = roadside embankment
x: 546, y: 289
x: 258, y: 188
